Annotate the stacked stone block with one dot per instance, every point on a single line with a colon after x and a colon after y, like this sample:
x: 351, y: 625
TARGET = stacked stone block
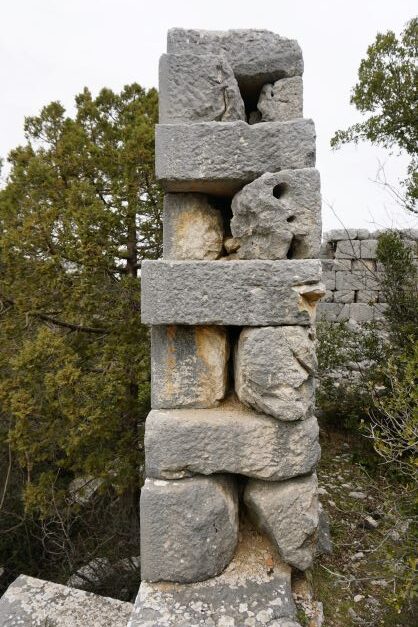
x: 231, y: 305
x: 351, y: 274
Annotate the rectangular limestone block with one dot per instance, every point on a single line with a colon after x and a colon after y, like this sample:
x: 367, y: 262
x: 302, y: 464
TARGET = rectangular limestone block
x: 357, y: 280
x: 239, y: 293
x: 195, y: 88
x: 188, y: 366
x: 368, y: 248
x: 333, y: 312
x: 328, y: 279
x: 221, y: 157
x: 363, y: 312
x: 189, y: 528
x: 335, y: 235
x: 329, y: 297
x: 364, y: 265
x: 193, y: 227
x: 332, y: 265
x: 281, y: 101
x: 367, y: 296
x: 344, y: 296
x: 230, y: 439
x: 256, y: 56
x: 348, y: 249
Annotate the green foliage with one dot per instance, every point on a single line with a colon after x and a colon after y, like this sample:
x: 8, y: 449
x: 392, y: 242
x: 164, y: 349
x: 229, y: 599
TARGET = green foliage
x: 80, y: 210
x: 387, y: 88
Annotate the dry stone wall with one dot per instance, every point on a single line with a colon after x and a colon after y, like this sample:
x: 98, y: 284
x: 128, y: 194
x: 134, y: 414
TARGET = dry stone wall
x: 231, y: 443
x: 351, y: 274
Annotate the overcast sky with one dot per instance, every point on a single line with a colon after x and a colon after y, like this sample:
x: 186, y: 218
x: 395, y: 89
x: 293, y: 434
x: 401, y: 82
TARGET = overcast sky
x: 51, y: 49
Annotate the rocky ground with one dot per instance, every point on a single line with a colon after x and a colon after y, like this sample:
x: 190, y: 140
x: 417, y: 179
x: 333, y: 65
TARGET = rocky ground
x: 362, y: 581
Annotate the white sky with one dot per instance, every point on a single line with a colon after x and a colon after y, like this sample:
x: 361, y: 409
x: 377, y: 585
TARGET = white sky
x: 51, y: 49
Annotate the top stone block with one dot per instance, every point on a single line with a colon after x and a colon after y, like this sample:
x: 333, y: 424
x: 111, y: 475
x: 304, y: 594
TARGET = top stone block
x: 256, y: 56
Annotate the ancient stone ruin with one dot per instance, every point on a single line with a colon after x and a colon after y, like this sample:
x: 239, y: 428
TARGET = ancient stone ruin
x: 229, y: 506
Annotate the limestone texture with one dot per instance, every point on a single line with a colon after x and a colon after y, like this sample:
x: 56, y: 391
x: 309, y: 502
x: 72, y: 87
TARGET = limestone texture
x: 274, y: 371
x: 247, y: 593
x: 189, y: 528
x: 228, y: 439
x: 193, y: 227
x: 220, y: 157
x: 30, y: 602
x: 281, y: 101
x: 196, y: 88
x: 278, y: 216
x: 256, y: 56
x: 188, y: 366
x: 288, y: 512
x: 241, y: 293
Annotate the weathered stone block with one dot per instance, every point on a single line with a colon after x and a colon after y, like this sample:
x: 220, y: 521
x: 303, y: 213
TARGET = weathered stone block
x: 363, y: 234
x: 344, y: 297
x: 336, y: 235
x: 368, y: 249
x: 362, y: 312
x: 332, y: 265
x: 231, y: 439
x: 357, y: 280
x: 367, y: 296
x: 348, y: 249
x: 278, y: 216
x: 281, y: 101
x: 189, y: 528
x: 333, y: 312
x: 195, y: 88
x: 247, y: 593
x: 221, y: 157
x: 329, y: 297
x: 274, y: 368
x: 288, y: 512
x: 30, y: 602
x: 256, y: 56
x: 363, y: 265
x: 328, y: 279
x: 188, y: 366
x: 240, y: 293
x: 193, y: 227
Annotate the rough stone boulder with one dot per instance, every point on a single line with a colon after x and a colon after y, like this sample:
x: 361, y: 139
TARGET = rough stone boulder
x: 197, y: 88
x: 30, y: 602
x: 288, y: 512
x: 281, y: 101
x: 189, y: 528
x: 230, y: 439
x: 274, y: 368
x: 239, y: 293
x: 278, y: 216
x: 193, y: 227
x: 188, y: 366
x: 221, y: 157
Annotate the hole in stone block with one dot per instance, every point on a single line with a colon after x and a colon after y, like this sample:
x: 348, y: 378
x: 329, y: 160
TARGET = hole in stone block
x: 291, y: 219
x: 233, y: 336
x: 279, y: 191
x: 296, y: 249
x: 250, y: 93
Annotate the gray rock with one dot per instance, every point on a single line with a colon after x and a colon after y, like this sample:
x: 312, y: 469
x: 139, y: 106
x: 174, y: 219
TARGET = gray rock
x: 324, y: 545
x: 189, y: 528
x: 221, y: 157
x: 256, y: 56
x: 329, y: 312
x: 279, y: 215
x: 274, y: 368
x: 329, y: 297
x: 254, y: 590
x: 281, y: 101
x: 229, y: 439
x: 363, y: 265
x: 195, y: 88
x: 344, y: 296
x: 193, y: 227
x: 348, y: 249
x: 329, y: 280
x: 367, y: 296
x: 188, y: 366
x: 288, y: 512
x: 240, y: 293
x: 30, y: 602
x: 363, y: 234
x: 361, y: 312
x: 357, y: 280
x: 368, y: 249
x: 332, y: 265
x: 336, y: 235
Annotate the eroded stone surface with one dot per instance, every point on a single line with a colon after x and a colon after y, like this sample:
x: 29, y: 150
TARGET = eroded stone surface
x: 230, y: 439
x: 274, y: 371
x: 281, y: 101
x: 189, y: 528
x: 195, y: 88
x: 193, y: 227
x: 188, y: 366
x: 221, y: 157
x: 256, y: 56
x: 288, y: 512
x: 241, y: 293
x: 253, y: 591
x: 279, y: 215
x: 30, y: 602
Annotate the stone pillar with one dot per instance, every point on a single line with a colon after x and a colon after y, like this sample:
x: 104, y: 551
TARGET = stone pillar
x: 230, y: 505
